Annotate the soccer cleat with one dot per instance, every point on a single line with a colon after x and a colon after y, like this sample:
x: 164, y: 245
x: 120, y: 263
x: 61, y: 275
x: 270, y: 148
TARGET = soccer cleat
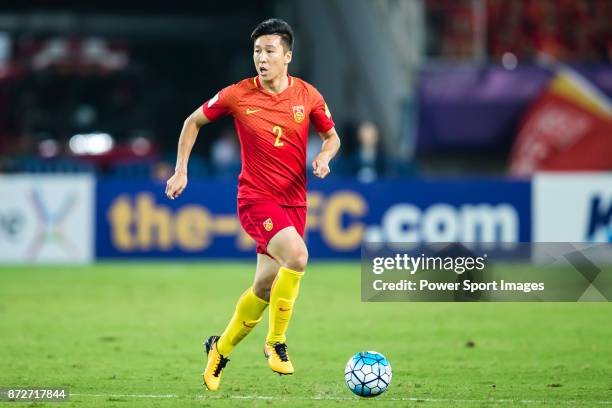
x: 278, y: 358
x: 215, y: 364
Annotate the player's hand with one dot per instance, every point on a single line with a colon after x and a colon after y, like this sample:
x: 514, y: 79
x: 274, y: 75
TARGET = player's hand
x: 320, y: 165
x: 176, y: 185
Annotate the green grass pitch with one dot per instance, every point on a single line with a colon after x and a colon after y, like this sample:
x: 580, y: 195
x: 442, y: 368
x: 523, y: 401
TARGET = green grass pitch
x: 130, y: 334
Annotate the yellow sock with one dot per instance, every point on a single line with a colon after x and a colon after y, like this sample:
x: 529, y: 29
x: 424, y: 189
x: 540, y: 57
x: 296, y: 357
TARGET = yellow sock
x: 248, y: 313
x: 282, y: 297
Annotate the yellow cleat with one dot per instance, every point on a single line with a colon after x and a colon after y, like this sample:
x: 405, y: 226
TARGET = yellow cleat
x: 215, y: 365
x: 278, y: 358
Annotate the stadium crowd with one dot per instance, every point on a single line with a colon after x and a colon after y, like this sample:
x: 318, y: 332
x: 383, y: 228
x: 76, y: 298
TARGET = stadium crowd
x: 66, y: 109
x: 566, y: 30
x: 84, y: 104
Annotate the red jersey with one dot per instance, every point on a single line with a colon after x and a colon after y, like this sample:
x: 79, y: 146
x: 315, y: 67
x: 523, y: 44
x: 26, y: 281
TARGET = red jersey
x: 273, y: 133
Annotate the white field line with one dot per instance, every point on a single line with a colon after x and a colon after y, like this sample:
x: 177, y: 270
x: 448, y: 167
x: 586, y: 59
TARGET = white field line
x: 332, y: 398
x: 124, y: 395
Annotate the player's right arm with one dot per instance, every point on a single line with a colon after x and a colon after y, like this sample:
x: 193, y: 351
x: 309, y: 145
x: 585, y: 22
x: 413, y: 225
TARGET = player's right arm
x: 177, y: 183
x: 216, y: 107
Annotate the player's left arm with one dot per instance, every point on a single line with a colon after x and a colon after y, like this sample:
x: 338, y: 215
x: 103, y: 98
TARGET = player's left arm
x: 324, y: 125
x: 331, y: 145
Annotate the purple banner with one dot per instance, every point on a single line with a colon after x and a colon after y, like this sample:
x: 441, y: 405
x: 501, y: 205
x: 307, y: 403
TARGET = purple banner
x: 463, y: 108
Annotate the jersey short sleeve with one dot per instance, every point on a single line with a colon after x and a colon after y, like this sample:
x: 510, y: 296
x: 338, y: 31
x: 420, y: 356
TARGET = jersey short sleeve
x: 320, y: 116
x: 219, y: 105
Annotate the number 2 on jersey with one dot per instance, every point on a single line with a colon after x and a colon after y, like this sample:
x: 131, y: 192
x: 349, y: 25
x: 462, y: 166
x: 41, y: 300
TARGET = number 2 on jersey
x: 278, y: 131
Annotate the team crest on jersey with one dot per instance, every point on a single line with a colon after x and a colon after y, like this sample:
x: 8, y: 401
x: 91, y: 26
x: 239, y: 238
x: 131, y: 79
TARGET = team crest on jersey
x: 268, y: 225
x: 298, y: 113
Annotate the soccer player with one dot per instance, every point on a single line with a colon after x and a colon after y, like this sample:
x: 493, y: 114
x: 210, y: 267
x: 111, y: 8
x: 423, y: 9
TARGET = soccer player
x: 272, y: 114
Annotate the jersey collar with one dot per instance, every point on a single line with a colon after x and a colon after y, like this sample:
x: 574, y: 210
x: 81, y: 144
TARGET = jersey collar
x: 257, y: 84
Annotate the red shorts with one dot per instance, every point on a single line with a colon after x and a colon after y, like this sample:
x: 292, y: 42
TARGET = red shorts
x: 263, y: 219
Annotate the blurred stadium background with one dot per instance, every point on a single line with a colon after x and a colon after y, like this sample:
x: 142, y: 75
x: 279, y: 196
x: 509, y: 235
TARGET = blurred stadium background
x: 430, y: 97
x: 461, y: 120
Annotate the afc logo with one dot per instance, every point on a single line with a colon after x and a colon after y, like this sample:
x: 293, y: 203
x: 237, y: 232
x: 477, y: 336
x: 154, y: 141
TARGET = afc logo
x: 298, y: 113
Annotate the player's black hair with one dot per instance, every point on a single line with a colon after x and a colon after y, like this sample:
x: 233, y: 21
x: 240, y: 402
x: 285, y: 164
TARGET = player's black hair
x: 278, y: 27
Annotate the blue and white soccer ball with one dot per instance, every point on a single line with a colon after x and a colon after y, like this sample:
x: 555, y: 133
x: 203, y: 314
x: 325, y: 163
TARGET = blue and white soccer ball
x: 368, y: 374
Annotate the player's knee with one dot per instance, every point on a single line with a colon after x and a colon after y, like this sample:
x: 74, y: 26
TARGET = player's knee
x: 297, y: 258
